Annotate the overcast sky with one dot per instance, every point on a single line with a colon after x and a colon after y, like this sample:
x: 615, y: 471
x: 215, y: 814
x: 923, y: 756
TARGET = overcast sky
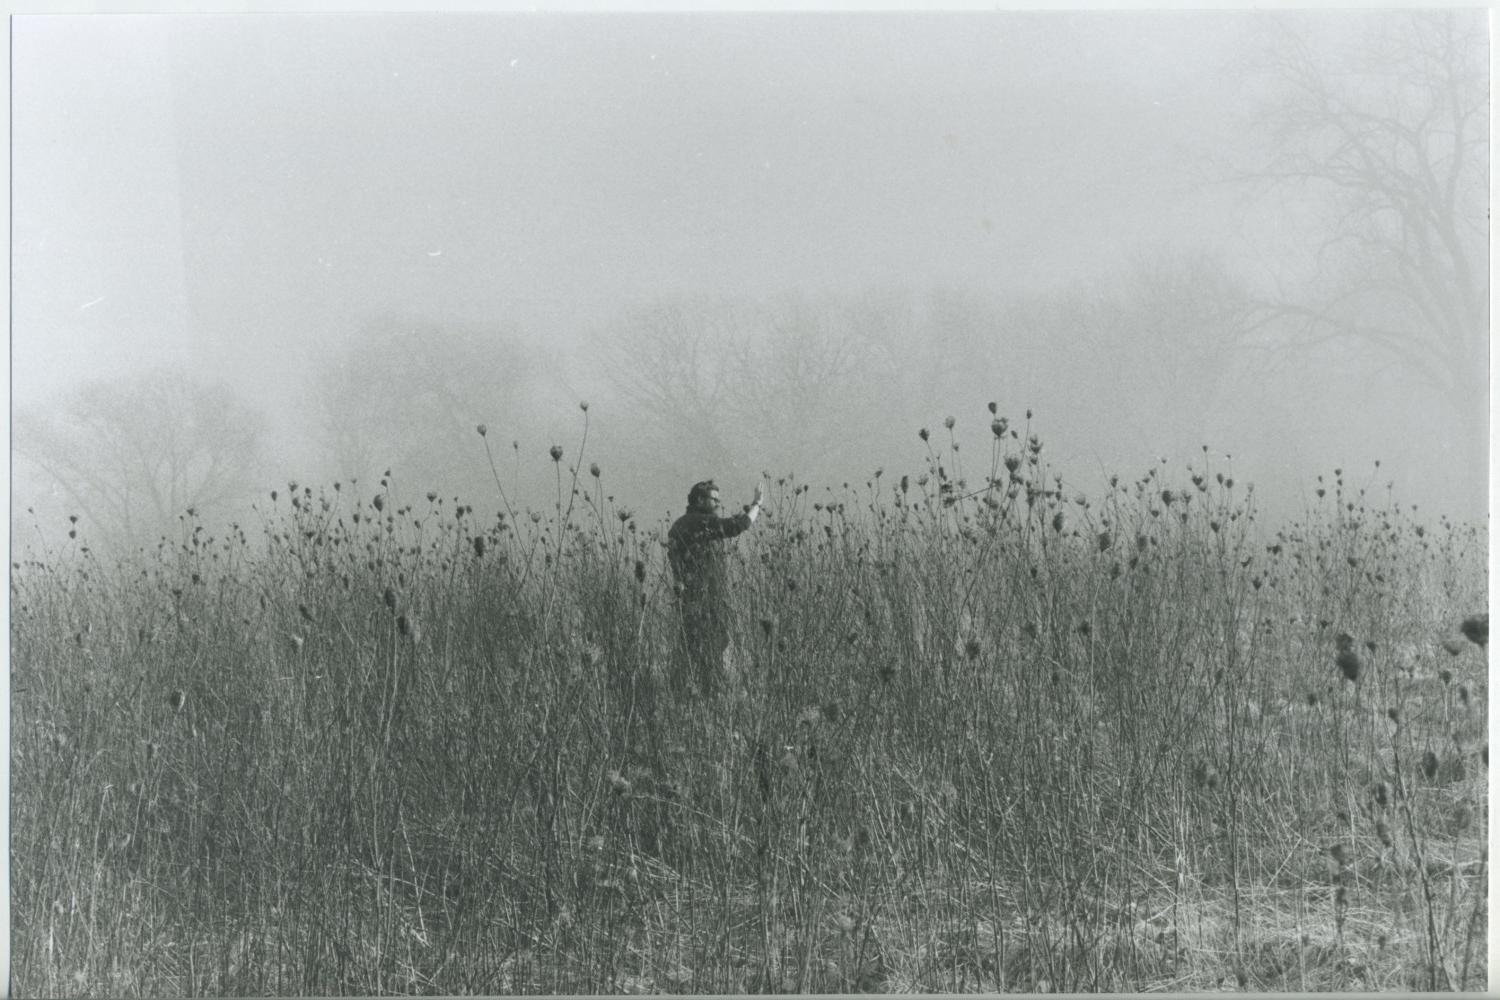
x: 225, y: 189
x: 228, y: 193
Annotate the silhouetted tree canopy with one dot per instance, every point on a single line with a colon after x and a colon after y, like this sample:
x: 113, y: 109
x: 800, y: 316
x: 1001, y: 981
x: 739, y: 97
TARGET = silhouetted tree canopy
x: 406, y: 395
x: 1381, y: 152
x: 134, y: 454
x: 779, y: 384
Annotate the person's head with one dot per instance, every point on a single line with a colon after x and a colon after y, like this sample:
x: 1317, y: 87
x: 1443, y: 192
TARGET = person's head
x: 704, y: 497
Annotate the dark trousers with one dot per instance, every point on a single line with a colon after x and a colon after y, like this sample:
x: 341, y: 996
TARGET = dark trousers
x: 703, y: 642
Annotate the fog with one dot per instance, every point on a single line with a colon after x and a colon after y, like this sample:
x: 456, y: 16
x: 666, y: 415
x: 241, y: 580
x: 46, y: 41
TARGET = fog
x: 256, y: 249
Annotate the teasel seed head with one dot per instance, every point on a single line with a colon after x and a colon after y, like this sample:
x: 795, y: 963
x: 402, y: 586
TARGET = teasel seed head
x: 1476, y: 629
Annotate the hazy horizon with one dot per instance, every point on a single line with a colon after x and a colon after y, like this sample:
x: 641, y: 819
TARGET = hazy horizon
x: 900, y: 216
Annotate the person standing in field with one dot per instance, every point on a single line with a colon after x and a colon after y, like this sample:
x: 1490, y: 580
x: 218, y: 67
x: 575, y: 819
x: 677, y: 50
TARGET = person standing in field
x: 696, y: 554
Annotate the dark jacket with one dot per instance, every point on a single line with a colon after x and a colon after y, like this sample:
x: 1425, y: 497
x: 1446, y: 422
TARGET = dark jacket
x: 697, y: 562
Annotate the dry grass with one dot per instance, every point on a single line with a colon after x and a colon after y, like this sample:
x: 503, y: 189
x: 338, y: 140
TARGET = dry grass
x: 980, y: 736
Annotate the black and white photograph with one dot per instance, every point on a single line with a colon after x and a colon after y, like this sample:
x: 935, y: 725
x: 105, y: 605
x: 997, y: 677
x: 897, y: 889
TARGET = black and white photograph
x: 708, y: 501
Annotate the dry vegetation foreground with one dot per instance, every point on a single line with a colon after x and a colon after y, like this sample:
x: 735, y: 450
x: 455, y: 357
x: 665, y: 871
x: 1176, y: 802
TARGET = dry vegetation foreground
x: 975, y: 736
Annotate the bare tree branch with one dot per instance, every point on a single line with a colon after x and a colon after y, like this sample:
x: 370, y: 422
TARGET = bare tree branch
x: 134, y: 453
x: 1395, y: 145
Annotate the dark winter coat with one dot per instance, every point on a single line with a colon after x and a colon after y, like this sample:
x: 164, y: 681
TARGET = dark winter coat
x: 698, y: 561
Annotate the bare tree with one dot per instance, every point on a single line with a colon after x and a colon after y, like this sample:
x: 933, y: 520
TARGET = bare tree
x: 1176, y: 320
x: 777, y: 384
x: 799, y: 376
x: 134, y: 454
x: 674, y: 362
x: 1143, y: 352
x: 1383, y: 151
x: 406, y: 395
